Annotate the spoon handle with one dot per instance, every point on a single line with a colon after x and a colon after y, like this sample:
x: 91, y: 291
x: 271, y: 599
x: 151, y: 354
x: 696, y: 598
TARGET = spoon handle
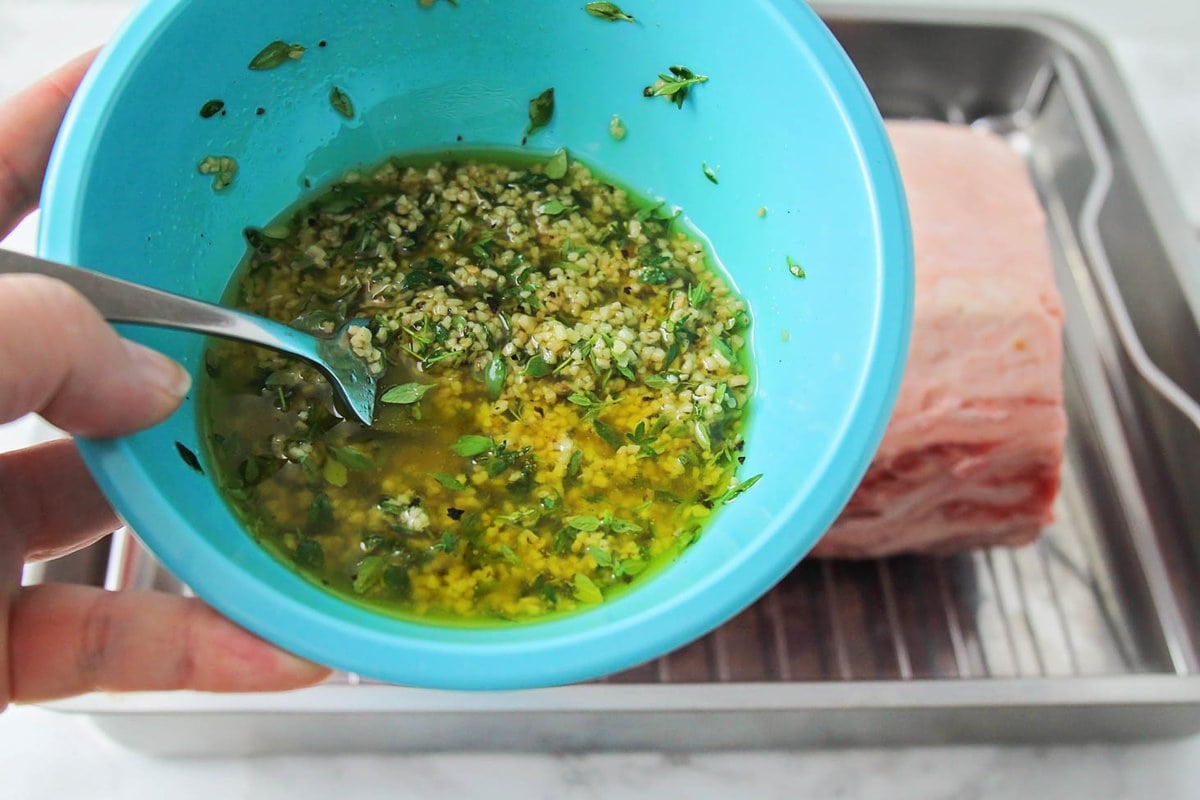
x: 121, y: 301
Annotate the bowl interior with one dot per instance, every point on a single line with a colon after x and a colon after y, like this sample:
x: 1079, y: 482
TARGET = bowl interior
x: 786, y: 121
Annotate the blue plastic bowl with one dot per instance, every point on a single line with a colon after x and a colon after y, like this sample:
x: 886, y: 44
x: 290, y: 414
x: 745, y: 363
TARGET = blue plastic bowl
x: 786, y: 119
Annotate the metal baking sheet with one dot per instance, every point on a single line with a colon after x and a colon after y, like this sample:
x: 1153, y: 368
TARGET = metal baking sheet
x: 1090, y: 634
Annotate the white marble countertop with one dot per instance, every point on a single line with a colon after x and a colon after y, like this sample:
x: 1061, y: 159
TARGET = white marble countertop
x: 49, y: 755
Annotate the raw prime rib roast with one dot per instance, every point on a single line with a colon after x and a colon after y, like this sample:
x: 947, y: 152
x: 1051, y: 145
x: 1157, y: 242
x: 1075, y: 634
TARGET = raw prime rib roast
x: 972, y: 455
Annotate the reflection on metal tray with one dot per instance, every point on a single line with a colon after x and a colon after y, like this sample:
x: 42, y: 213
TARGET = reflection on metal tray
x: 1091, y: 633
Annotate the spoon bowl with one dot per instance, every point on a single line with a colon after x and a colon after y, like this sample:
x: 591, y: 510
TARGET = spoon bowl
x: 122, y: 301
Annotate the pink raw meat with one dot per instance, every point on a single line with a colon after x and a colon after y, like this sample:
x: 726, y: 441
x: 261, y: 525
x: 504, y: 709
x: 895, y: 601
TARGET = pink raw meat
x: 973, y: 453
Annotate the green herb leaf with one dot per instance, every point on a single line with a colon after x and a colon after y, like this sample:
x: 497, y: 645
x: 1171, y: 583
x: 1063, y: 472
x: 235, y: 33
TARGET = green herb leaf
x: 341, y: 103
x: 584, y: 523
x: 398, y: 581
x: 708, y: 171
x: 698, y: 296
x: 586, y: 591
x: 212, y: 108
x: 406, y: 394
x: 537, y: 367
x: 795, y: 268
x: 608, y: 433
x: 448, y: 543
x: 675, y: 85
x: 310, y: 554
x: 336, y: 473
x: 607, y: 11
x: 370, y: 573
x: 736, y: 491
x: 449, y: 481
x: 556, y: 167
x: 320, y: 514
x: 575, y: 465
x: 495, y: 375
x: 509, y: 555
x: 541, y: 111
x: 553, y: 208
x: 276, y: 54
x: 623, y: 526
x: 471, y: 446
x: 603, y: 557
x: 631, y: 567
x: 189, y: 457
x: 353, y: 458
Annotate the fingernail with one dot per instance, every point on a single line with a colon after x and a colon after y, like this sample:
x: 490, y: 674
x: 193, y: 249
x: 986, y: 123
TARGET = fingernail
x: 157, y: 370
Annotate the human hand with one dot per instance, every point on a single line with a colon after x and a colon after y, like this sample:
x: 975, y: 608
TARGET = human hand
x: 58, y: 358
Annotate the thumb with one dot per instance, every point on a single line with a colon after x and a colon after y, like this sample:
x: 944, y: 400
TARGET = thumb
x: 60, y: 359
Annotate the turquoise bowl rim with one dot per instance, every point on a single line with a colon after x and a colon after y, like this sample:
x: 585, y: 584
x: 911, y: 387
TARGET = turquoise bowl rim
x: 526, y: 662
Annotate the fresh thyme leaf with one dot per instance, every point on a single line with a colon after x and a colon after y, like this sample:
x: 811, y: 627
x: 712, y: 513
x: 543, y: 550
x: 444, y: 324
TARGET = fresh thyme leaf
x: 555, y: 207
x: 608, y: 433
x: 736, y: 491
x: 310, y: 554
x: 607, y: 11
x: 575, y: 465
x: 623, y: 526
x: 212, y: 108
x: 352, y: 458
x: 398, y: 581
x: 510, y: 556
x: 631, y: 567
x: 795, y: 268
x: 603, y: 557
x: 556, y: 167
x: 341, y: 103
x: 519, y: 517
x: 698, y: 296
x: 586, y: 591
x: 406, y: 394
x: 708, y: 171
x: 449, y: 481
x: 189, y: 457
x: 537, y: 367
x: 564, y: 539
x: 320, y: 514
x: 541, y: 111
x: 448, y: 542
x: 370, y: 573
x: 584, y: 523
x: 276, y: 54
x: 336, y: 473
x: 495, y: 375
x: 674, y: 85
x: 471, y: 446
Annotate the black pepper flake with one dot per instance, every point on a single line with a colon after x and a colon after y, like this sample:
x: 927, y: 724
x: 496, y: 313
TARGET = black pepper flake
x: 322, y: 43
x: 459, y: 137
x: 455, y: 513
x: 260, y: 111
x: 741, y: 459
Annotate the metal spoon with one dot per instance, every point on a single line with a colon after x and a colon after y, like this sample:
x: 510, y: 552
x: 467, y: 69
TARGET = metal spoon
x: 122, y: 301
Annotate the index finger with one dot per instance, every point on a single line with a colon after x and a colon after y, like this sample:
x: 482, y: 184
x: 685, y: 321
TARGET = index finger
x: 29, y: 123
